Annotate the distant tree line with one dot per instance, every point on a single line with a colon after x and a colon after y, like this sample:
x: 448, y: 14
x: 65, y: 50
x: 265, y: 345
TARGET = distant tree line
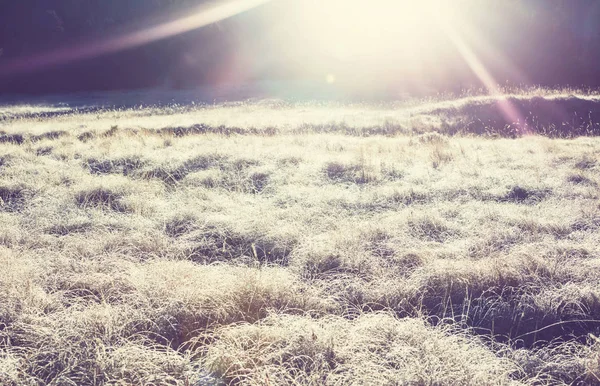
x: 549, y: 42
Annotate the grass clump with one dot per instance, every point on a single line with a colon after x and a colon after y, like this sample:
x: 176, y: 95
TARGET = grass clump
x: 180, y: 225
x: 580, y: 179
x: 4, y: 161
x: 216, y: 241
x: 173, y: 174
x: 12, y: 197
x: 337, y: 171
x: 391, y: 172
x: 68, y: 228
x: 433, y: 138
x: 86, y: 136
x: 535, y: 228
x: 190, y: 299
x: 440, y: 156
x: 49, y: 135
x: 114, y: 129
x: 372, y: 349
x: 44, y: 150
x: 431, y: 229
x: 234, y: 180
x: 241, y: 175
x: 168, y: 174
x: 258, y: 181
x: 408, y: 197
x: 290, y: 161
x: 125, y: 165
x: 92, y: 361
x: 321, y: 260
x: 497, y: 241
x: 15, y: 139
x: 586, y: 162
x: 357, y: 173
x: 525, y: 195
x: 101, y: 198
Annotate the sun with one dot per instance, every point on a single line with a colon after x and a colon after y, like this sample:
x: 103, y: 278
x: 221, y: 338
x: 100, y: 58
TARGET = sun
x: 352, y: 28
x: 343, y: 38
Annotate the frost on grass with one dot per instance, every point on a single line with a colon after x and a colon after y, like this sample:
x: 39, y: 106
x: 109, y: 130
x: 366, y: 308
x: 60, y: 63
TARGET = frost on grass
x: 125, y: 165
x: 101, y: 198
x: 220, y: 241
x: 257, y: 245
x: 372, y: 349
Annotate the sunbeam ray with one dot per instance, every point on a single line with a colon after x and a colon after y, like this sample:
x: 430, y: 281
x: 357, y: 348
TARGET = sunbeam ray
x: 507, y: 109
x: 201, y: 17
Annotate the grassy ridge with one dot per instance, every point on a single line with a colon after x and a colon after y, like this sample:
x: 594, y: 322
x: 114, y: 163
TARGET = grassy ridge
x: 134, y: 254
x: 564, y: 114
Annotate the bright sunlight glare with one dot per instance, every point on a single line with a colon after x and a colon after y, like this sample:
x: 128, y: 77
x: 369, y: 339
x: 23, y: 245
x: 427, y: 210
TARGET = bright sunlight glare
x: 349, y: 29
x: 366, y: 41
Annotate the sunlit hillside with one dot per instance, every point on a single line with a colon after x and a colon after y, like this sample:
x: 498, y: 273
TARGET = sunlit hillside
x: 271, y: 243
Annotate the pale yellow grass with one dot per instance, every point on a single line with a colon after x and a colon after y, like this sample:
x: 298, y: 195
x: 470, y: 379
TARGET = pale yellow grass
x: 132, y: 255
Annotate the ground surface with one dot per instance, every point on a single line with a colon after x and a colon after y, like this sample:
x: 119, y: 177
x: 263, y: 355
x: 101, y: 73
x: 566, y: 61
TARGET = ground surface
x: 274, y: 243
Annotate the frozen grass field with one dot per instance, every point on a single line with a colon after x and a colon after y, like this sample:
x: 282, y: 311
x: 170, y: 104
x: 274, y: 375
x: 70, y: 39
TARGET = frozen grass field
x: 275, y: 243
